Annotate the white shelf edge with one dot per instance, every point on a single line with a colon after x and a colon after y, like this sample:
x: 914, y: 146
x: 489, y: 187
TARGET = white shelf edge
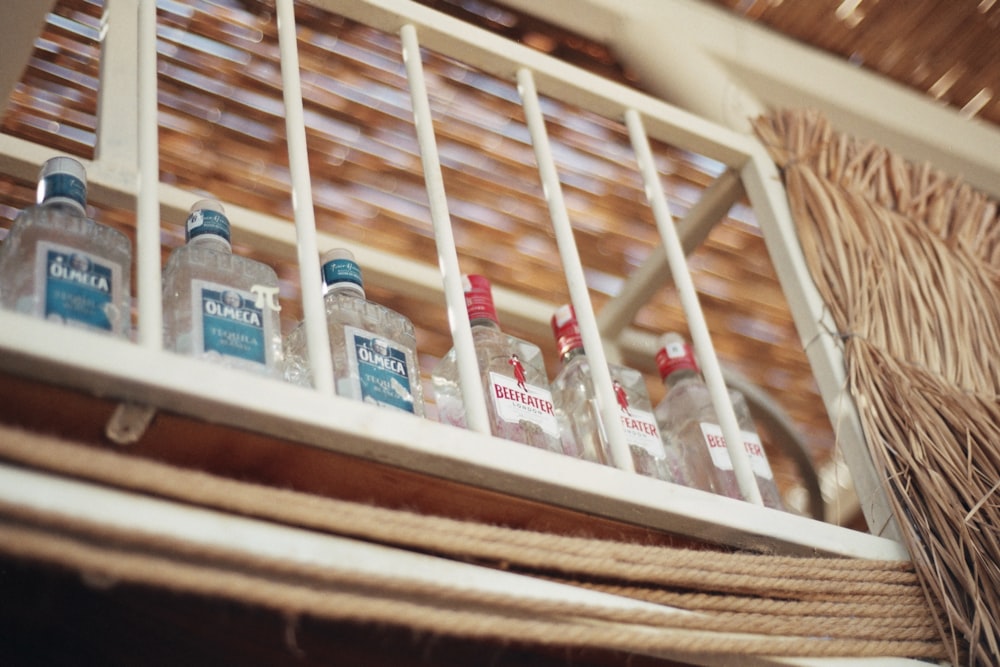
x: 106, y: 367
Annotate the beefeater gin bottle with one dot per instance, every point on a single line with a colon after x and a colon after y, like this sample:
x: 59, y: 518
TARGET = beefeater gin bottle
x: 518, y: 399
x: 687, y: 416
x: 576, y: 404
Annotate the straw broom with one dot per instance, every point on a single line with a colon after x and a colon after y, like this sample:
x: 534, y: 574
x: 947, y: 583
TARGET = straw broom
x: 908, y: 262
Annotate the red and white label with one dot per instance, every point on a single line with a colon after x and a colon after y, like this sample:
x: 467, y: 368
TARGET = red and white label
x: 720, y: 455
x: 641, y: 431
x: 517, y: 402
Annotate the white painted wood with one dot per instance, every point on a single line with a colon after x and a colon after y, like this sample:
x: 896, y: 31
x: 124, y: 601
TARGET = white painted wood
x: 106, y: 367
x: 124, y: 54
x: 473, y: 396
x: 493, y: 54
x: 503, y: 58
x: 654, y: 273
x: 313, y: 308
x: 576, y: 280
x: 149, y: 285
x: 818, y: 334
x: 700, y: 336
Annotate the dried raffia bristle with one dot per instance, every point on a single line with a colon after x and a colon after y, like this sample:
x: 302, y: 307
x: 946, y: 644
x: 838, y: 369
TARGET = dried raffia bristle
x: 908, y: 262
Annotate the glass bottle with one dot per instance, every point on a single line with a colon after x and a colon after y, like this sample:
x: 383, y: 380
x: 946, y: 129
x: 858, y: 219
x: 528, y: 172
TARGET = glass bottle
x: 219, y: 306
x: 59, y: 265
x: 576, y: 405
x: 374, y: 349
x: 518, y: 398
x: 687, y: 416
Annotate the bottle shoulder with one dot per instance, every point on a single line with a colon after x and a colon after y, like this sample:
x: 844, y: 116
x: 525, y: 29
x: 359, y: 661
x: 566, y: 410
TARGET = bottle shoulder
x: 202, y: 261
x: 64, y: 225
x: 351, y: 309
x: 495, y: 352
x: 686, y: 399
x: 574, y: 376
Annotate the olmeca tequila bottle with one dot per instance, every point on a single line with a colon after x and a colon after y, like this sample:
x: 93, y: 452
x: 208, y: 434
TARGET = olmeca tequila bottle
x: 687, y: 418
x: 374, y: 348
x: 220, y: 306
x: 576, y: 406
x: 518, y: 398
x: 58, y: 264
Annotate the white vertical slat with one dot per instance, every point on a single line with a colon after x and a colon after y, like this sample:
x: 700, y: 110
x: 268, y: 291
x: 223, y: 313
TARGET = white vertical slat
x: 147, y: 256
x: 575, y: 278
x: 122, y: 44
x: 817, y: 330
x: 476, y: 417
x: 313, y: 310
x: 692, y: 309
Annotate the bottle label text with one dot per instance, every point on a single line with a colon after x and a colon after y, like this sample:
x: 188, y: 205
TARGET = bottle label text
x: 378, y: 369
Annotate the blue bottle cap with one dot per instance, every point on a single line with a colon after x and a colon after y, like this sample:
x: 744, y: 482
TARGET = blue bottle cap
x: 207, y: 216
x: 339, y: 268
x: 63, y: 180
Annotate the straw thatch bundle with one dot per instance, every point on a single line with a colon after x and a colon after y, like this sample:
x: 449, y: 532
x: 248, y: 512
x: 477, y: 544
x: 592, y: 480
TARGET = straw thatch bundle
x: 908, y: 262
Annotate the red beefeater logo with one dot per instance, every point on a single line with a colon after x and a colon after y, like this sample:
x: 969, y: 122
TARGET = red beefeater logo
x: 621, y: 396
x: 518, y: 372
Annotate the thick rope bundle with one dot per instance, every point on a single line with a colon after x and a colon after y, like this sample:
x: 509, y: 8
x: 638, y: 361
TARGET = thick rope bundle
x: 907, y: 261
x: 711, y: 603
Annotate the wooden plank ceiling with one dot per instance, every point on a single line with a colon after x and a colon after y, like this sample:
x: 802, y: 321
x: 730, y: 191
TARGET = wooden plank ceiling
x: 943, y: 48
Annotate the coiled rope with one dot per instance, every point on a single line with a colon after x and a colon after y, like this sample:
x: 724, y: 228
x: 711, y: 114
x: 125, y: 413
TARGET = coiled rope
x: 712, y: 602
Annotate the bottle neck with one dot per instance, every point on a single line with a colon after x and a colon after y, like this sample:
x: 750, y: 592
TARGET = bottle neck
x: 571, y: 354
x: 484, y: 323
x: 678, y: 376
x: 65, y: 205
x: 63, y: 183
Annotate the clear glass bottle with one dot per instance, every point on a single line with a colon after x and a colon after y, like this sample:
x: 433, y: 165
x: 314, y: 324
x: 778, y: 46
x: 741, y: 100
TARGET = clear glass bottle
x: 518, y: 398
x: 576, y: 405
x: 59, y: 265
x: 374, y: 349
x: 687, y: 416
x: 219, y: 306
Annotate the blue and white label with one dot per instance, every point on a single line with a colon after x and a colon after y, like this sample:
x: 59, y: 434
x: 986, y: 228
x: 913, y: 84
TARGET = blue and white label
x: 76, y: 286
x: 378, y: 370
x: 229, y: 322
x: 342, y: 270
x: 60, y: 185
x: 206, y: 221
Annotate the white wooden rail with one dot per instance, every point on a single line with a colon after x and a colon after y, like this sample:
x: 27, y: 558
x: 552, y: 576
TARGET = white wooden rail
x: 143, y: 372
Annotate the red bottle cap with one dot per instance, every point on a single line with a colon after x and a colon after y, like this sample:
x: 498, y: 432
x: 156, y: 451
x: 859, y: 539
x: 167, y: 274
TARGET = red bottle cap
x: 566, y: 330
x: 479, y: 299
x: 675, y: 354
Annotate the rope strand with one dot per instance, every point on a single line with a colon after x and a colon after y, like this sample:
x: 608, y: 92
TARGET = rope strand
x: 878, y: 610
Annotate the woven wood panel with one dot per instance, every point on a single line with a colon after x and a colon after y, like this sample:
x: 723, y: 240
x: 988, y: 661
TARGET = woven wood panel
x: 945, y: 48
